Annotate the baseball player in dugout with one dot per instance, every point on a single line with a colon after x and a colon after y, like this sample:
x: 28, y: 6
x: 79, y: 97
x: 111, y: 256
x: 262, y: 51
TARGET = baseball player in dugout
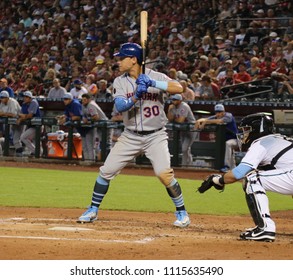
x: 139, y: 97
x: 266, y: 166
x: 180, y: 112
x: 10, y: 108
x: 73, y: 110
x: 223, y: 117
x: 91, y: 112
x: 29, y: 109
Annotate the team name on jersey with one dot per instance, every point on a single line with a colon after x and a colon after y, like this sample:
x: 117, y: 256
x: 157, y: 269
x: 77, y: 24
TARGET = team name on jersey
x: 147, y: 96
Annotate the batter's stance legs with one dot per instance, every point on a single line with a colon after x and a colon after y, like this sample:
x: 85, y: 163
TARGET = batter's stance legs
x: 100, y: 189
x: 175, y: 193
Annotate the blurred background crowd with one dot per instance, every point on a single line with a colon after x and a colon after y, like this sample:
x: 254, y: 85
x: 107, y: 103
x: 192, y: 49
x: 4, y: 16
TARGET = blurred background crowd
x: 207, y: 45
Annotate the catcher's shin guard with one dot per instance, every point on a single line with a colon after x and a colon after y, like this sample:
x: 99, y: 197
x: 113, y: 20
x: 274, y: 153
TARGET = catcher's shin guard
x: 254, y: 209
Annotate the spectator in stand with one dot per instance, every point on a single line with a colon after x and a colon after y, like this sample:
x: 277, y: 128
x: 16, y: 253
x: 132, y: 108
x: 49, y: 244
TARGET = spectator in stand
x: 208, y: 90
x: 57, y: 91
x: 253, y: 35
x: 220, y: 43
x: 267, y: 68
x: 172, y: 73
x: 289, y: 30
x: 285, y: 87
x: 188, y: 93
x: 64, y: 78
x: 254, y: 69
x: 103, y: 91
x: 228, y: 65
x: 4, y: 86
x: 90, y: 85
x: 16, y: 82
x: 215, y: 64
x: 288, y: 52
x: 282, y: 67
x: 48, y: 79
x: 78, y: 90
x: 177, y: 62
x: 226, y: 82
x: 195, y: 83
x: 203, y: 64
x: 242, y: 76
x: 239, y: 37
x: 277, y: 54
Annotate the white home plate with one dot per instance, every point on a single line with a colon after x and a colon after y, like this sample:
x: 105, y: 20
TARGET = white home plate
x: 70, y: 228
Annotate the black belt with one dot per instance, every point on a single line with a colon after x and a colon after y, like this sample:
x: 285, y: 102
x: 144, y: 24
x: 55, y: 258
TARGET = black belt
x: 144, y: 132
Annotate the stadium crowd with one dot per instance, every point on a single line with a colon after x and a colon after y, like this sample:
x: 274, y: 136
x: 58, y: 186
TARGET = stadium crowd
x: 207, y: 45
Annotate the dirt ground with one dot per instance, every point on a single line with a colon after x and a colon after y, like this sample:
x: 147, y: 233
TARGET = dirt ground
x: 53, y: 234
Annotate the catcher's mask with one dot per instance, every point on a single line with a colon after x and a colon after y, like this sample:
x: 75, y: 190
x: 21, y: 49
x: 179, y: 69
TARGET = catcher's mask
x: 253, y: 127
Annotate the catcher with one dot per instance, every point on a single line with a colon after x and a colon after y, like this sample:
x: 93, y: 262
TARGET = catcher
x: 267, y: 166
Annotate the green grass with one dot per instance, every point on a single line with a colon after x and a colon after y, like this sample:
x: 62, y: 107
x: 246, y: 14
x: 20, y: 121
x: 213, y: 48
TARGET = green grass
x: 73, y: 189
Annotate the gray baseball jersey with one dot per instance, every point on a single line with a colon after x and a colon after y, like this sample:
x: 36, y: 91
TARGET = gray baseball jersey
x: 89, y: 139
x: 148, y: 113
x: 187, y: 137
x: 93, y: 109
x: 12, y: 107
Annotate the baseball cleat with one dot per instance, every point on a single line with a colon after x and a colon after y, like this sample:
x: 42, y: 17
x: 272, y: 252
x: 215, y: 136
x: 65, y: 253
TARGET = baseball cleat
x: 90, y: 215
x: 258, y: 234
x: 182, y: 219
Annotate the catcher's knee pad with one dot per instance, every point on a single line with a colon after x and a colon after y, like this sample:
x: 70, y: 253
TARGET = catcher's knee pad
x: 250, y: 178
x: 166, y: 177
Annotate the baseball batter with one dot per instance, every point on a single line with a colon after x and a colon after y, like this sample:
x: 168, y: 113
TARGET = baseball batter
x: 138, y: 96
x: 267, y: 166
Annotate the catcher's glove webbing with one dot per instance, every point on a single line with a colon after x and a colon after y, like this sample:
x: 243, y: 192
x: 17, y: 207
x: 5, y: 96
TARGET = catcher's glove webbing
x: 215, y: 180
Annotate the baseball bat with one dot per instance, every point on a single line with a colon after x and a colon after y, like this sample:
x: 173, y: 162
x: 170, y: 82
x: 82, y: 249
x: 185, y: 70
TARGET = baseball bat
x: 143, y: 36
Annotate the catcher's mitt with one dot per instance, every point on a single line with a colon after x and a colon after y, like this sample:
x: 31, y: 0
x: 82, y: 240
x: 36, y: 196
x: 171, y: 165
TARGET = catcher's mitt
x: 211, y: 181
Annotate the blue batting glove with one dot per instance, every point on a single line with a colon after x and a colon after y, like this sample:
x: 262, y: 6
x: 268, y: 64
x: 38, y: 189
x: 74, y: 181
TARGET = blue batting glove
x: 143, y: 78
x: 140, y: 90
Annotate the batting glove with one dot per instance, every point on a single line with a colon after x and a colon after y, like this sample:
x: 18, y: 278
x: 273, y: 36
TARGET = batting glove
x: 140, y: 90
x: 143, y: 78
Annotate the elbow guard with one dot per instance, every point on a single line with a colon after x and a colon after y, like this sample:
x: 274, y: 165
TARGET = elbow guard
x: 123, y: 104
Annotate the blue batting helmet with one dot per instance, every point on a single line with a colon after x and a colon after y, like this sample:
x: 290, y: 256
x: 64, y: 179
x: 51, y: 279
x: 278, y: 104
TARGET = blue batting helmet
x: 131, y: 50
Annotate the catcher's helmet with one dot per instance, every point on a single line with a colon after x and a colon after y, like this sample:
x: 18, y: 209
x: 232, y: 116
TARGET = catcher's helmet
x: 253, y: 127
x: 131, y: 50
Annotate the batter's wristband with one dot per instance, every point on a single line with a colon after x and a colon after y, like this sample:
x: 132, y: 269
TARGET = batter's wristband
x: 161, y: 85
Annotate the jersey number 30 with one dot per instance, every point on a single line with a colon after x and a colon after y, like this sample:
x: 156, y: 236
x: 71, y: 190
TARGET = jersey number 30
x: 151, y: 111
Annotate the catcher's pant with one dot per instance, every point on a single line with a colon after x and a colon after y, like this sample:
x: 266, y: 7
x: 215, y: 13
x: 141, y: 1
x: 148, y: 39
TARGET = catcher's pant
x: 229, y: 160
x: 130, y: 145
x: 277, y: 180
